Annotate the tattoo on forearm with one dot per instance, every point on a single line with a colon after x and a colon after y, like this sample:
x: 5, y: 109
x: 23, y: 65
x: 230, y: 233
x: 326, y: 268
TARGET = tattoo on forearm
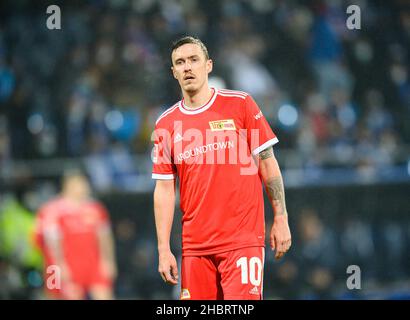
x: 265, y: 154
x: 276, y: 193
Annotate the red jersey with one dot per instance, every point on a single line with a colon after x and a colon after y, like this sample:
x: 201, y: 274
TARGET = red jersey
x: 77, y: 229
x: 210, y: 150
x: 47, y: 226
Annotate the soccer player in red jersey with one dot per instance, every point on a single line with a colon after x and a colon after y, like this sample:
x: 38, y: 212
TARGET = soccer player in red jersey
x: 74, y: 234
x: 218, y: 144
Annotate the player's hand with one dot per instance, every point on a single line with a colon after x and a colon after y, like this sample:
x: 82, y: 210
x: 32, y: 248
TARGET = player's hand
x: 280, y: 238
x: 168, y: 268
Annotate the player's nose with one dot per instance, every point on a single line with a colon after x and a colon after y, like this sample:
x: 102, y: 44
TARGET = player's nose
x: 187, y: 66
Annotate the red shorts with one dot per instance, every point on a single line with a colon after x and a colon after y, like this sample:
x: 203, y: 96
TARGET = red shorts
x: 231, y: 275
x: 78, y: 286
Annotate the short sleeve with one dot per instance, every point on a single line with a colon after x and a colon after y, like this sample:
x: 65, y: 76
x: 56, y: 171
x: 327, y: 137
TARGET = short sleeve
x: 103, y: 216
x: 259, y: 133
x: 163, y: 167
x: 48, y: 224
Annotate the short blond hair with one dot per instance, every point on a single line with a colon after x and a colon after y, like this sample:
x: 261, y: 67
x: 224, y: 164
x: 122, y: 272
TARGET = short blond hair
x: 189, y: 39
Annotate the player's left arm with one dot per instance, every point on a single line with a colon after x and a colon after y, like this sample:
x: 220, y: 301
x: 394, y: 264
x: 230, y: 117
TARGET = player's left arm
x: 280, y: 237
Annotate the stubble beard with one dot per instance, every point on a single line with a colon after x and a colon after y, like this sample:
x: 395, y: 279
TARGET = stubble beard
x: 191, y: 89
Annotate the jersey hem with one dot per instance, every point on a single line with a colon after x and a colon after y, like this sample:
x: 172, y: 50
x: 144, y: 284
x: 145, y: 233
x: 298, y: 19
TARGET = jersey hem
x: 211, y: 252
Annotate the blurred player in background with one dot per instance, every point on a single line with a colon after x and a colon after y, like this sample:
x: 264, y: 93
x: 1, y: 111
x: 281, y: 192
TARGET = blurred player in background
x: 74, y: 233
x: 223, y: 228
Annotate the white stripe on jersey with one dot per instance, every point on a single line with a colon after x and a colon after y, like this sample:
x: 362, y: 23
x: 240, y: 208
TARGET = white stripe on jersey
x: 233, y: 92
x: 267, y: 144
x: 167, y: 112
x: 159, y: 176
x: 232, y: 95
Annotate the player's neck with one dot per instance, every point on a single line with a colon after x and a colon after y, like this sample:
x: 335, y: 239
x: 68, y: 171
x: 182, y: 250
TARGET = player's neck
x: 199, y: 98
x: 73, y: 199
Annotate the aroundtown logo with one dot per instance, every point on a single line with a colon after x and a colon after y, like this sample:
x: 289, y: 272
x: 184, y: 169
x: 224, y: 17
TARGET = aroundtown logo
x: 221, y: 144
x: 203, y: 149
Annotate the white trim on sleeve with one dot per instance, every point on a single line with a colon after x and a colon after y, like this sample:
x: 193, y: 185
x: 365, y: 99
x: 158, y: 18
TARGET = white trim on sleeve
x: 267, y: 144
x: 159, y: 176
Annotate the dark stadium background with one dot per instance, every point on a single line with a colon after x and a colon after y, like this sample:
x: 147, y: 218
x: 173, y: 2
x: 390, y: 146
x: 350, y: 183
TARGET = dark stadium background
x: 339, y: 100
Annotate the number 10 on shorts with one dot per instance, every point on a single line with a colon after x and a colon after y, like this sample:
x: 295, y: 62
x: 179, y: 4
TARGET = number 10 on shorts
x: 251, y: 271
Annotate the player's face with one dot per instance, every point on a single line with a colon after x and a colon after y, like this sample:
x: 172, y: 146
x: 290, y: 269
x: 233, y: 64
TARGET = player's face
x: 190, y: 67
x: 78, y: 188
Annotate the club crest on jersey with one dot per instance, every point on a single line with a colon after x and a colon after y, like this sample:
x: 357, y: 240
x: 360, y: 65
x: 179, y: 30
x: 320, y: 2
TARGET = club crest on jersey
x: 185, y: 294
x: 221, y: 125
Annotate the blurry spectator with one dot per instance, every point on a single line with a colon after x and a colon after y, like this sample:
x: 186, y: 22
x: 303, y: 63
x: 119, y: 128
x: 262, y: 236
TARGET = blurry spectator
x: 325, y: 53
x: 343, y: 110
x: 126, y: 234
x: 20, y: 260
x: 392, y: 244
x: 5, y: 156
x: 358, y: 247
x: 113, y: 168
x: 283, y: 274
x: 318, y: 116
x: 12, y: 286
x: 252, y: 76
x: 318, y: 254
x: 7, y: 80
x: 342, y: 125
x: 16, y: 234
x: 387, y: 147
x: 377, y: 116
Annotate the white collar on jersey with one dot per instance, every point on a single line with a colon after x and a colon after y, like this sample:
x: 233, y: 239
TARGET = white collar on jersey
x: 186, y: 110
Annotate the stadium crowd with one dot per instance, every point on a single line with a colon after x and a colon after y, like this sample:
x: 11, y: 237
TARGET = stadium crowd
x: 94, y: 88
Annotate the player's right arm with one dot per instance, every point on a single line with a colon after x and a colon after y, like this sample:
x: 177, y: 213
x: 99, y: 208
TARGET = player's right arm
x: 53, y: 244
x: 164, y: 206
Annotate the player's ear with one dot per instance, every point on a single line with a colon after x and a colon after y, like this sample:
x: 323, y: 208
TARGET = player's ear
x: 209, y: 65
x: 174, y: 73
